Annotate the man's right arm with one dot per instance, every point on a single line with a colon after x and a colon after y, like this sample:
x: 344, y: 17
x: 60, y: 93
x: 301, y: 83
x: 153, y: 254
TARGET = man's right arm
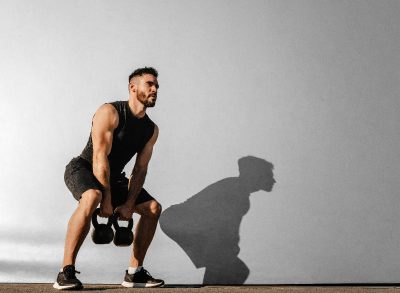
x: 105, y: 121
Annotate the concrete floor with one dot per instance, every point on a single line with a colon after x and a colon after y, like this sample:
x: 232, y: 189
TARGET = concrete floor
x: 206, y: 289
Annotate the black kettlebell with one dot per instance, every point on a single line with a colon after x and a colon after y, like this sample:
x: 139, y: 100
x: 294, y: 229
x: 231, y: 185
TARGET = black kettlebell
x: 102, y: 233
x: 123, y: 235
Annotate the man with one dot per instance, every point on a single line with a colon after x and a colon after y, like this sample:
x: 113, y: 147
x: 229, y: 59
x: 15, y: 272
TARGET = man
x: 120, y: 130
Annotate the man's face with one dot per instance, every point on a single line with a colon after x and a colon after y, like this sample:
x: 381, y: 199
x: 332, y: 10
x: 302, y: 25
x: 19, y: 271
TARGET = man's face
x: 269, y: 181
x: 146, y: 89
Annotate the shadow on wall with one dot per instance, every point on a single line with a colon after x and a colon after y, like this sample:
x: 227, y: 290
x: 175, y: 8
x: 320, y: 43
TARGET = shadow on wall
x: 25, y: 270
x: 206, y: 226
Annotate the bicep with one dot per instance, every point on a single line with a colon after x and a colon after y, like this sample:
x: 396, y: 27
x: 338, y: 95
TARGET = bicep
x: 104, y: 123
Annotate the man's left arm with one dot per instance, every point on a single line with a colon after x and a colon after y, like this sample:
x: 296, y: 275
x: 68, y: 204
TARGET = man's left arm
x: 138, y: 177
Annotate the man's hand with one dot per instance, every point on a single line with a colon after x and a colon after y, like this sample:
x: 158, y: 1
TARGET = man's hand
x: 106, y: 209
x: 124, y: 212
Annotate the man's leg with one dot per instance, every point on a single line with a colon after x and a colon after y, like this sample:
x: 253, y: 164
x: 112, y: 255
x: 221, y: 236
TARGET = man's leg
x: 137, y: 276
x: 79, y: 225
x: 150, y: 212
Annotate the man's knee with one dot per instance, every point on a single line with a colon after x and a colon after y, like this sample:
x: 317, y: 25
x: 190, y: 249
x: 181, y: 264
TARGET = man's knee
x: 153, y: 209
x: 90, y: 200
x: 156, y: 209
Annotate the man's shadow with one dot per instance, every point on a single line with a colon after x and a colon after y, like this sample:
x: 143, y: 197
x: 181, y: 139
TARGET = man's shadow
x: 206, y: 226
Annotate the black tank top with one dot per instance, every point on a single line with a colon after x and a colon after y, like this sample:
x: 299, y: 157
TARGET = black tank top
x: 129, y: 138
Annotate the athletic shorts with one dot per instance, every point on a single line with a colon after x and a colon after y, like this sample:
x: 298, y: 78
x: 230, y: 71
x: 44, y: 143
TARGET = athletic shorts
x: 79, y: 177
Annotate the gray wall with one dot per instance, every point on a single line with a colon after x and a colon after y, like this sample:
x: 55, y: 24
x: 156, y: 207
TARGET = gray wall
x: 309, y: 86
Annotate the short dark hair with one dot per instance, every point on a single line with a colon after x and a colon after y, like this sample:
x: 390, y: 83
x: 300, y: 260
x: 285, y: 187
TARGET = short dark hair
x: 250, y: 165
x: 144, y: 70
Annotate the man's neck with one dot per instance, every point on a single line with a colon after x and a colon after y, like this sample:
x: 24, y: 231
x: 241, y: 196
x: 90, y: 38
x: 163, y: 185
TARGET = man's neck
x: 137, y: 108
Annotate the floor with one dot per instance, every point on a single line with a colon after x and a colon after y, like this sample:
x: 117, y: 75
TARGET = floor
x: 4, y: 287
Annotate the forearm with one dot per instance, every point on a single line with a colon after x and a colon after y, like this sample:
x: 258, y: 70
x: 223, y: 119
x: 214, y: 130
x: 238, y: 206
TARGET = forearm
x: 101, y: 170
x: 135, y: 185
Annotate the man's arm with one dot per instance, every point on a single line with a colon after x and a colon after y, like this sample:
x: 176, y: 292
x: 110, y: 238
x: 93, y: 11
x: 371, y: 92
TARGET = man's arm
x: 138, y: 177
x: 104, y: 122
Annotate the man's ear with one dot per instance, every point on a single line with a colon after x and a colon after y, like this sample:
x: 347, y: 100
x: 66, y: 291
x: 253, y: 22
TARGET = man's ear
x: 131, y: 86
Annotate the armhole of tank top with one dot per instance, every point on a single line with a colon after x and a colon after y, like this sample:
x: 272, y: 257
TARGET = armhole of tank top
x: 119, y: 116
x: 154, y: 129
x: 150, y: 134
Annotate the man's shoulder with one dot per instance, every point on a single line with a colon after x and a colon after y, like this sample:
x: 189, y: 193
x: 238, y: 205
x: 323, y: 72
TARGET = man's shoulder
x: 118, y: 105
x: 108, y: 108
x: 115, y: 108
x: 107, y: 114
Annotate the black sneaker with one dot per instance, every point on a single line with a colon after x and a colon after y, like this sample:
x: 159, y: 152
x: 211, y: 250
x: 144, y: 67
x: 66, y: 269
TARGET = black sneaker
x: 141, y: 279
x: 67, y: 280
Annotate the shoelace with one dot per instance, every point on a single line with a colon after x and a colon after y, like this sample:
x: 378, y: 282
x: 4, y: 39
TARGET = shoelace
x: 70, y: 272
x: 146, y: 272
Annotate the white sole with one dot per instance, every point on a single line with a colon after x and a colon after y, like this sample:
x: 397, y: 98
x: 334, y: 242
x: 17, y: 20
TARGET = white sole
x: 141, y: 285
x: 59, y: 287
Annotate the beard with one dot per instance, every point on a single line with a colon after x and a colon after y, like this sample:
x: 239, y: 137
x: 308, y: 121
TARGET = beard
x: 145, y: 100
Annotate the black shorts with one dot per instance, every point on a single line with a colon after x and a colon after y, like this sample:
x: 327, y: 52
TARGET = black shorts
x: 79, y: 177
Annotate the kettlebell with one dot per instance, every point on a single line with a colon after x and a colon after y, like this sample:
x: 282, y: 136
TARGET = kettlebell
x: 102, y: 233
x: 123, y: 235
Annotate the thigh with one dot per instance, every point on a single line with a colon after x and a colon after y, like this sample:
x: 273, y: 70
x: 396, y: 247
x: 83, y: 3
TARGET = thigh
x: 79, y: 177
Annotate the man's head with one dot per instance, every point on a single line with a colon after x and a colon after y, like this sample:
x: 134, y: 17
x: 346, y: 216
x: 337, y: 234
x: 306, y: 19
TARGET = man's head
x: 143, y: 85
x: 256, y: 173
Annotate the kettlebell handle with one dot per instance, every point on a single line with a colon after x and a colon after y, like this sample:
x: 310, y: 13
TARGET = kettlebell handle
x: 96, y: 223
x: 116, y: 225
